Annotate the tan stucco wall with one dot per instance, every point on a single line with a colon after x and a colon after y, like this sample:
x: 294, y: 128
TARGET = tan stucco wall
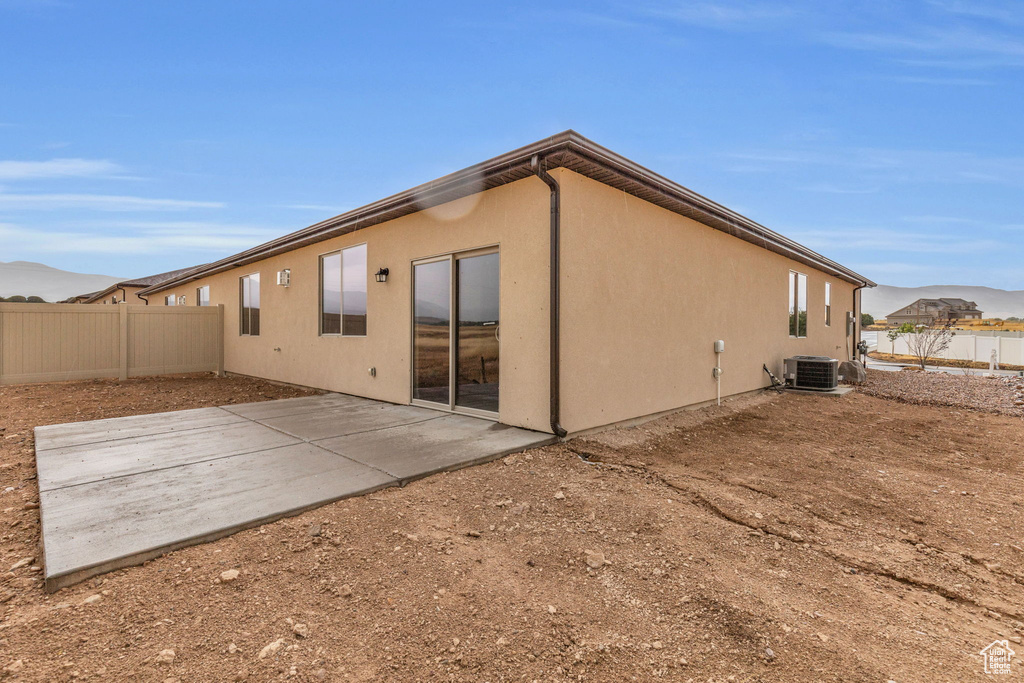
x: 646, y: 292
x: 514, y: 217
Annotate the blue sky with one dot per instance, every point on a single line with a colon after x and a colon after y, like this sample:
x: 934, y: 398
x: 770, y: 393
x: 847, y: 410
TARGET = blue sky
x: 138, y: 137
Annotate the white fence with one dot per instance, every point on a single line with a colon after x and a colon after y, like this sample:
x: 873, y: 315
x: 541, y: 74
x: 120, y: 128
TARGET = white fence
x: 968, y: 347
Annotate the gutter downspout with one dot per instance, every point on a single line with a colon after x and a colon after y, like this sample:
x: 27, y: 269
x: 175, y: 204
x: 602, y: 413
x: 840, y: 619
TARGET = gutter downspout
x: 537, y: 164
x: 855, y: 337
x: 143, y: 298
x: 124, y: 295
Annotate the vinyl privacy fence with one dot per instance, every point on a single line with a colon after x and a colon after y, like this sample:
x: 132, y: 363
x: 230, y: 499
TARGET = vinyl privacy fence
x: 55, y: 342
x: 970, y: 347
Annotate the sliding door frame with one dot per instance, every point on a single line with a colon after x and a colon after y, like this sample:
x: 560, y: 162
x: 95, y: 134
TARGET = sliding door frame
x: 453, y: 322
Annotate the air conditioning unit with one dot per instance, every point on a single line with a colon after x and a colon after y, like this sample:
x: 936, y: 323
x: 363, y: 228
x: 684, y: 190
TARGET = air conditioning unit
x: 284, y: 277
x: 818, y: 373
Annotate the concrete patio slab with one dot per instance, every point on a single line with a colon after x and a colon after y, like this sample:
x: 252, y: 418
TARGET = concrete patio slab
x: 149, y: 514
x: 118, y: 492
x: 96, y: 431
x: 72, y: 465
x: 363, y: 417
x: 408, y: 452
x: 290, y: 406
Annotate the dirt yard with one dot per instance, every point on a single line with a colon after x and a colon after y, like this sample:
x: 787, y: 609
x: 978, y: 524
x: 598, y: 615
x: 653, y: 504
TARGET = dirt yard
x: 777, y: 538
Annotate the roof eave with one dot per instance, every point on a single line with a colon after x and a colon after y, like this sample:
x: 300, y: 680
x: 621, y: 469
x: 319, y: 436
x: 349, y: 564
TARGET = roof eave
x: 569, y: 150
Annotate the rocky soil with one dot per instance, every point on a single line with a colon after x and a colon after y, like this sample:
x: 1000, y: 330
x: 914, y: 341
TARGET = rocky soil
x: 777, y: 538
x: 995, y: 394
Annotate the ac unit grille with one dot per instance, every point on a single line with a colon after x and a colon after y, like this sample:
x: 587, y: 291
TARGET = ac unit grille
x: 812, y: 372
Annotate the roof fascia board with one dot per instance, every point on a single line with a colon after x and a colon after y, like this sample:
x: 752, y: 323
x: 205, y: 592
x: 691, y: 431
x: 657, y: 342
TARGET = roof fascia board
x: 474, y: 179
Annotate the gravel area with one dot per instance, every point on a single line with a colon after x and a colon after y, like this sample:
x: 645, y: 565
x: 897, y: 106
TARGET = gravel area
x: 1001, y: 395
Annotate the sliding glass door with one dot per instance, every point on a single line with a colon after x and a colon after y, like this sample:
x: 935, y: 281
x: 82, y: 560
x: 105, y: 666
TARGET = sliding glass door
x: 456, y: 332
x: 432, y: 333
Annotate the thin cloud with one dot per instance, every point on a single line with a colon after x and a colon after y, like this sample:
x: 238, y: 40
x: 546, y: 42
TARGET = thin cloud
x: 829, y: 188
x: 954, y: 42
x: 870, y: 167
x: 926, y: 80
x: 325, y: 208
x: 881, y: 240
x: 99, y: 202
x: 730, y: 16
x: 208, y: 238
x: 59, y: 168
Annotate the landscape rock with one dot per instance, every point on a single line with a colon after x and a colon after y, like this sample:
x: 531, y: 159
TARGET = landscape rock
x: 853, y: 372
x: 271, y: 648
x: 165, y: 657
x: 595, y: 560
x: 23, y: 562
x: 301, y: 630
x: 92, y: 599
x: 229, y: 575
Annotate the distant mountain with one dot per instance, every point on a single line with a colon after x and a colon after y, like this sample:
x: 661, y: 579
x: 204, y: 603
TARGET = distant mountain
x: 882, y: 300
x: 35, y: 279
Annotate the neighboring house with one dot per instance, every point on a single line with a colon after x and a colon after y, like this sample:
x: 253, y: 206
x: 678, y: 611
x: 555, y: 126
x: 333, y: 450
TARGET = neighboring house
x: 558, y: 287
x: 78, y: 298
x: 128, y: 291
x: 931, y: 311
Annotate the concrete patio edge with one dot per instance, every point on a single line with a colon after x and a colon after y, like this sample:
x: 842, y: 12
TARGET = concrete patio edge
x: 54, y: 583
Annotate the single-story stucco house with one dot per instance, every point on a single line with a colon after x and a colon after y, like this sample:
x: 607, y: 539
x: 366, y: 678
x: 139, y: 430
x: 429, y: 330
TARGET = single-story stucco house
x: 559, y: 287
x: 128, y: 290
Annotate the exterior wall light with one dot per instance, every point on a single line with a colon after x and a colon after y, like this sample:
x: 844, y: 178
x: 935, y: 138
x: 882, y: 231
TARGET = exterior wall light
x: 381, y: 275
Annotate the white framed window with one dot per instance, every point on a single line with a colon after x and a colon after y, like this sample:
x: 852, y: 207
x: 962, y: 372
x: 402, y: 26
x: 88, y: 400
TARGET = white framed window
x: 169, y: 300
x: 182, y: 300
x: 828, y: 304
x: 797, y: 304
x: 203, y: 295
x: 249, y: 305
x: 343, y: 292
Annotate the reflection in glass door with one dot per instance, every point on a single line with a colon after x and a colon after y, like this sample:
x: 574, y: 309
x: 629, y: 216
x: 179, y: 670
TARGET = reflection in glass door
x: 456, y: 330
x: 476, y: 385
x: 432, y: 332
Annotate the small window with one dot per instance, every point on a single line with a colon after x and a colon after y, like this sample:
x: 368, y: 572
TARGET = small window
x: 250, y: 305
x: 828, y: 304
x: 353, y: 291
x: 330, y: 294
x: 203, y: 295
x: 182, y: 300
x: 169, y: 300
x: 797, y: 304
x: 343, y: 290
